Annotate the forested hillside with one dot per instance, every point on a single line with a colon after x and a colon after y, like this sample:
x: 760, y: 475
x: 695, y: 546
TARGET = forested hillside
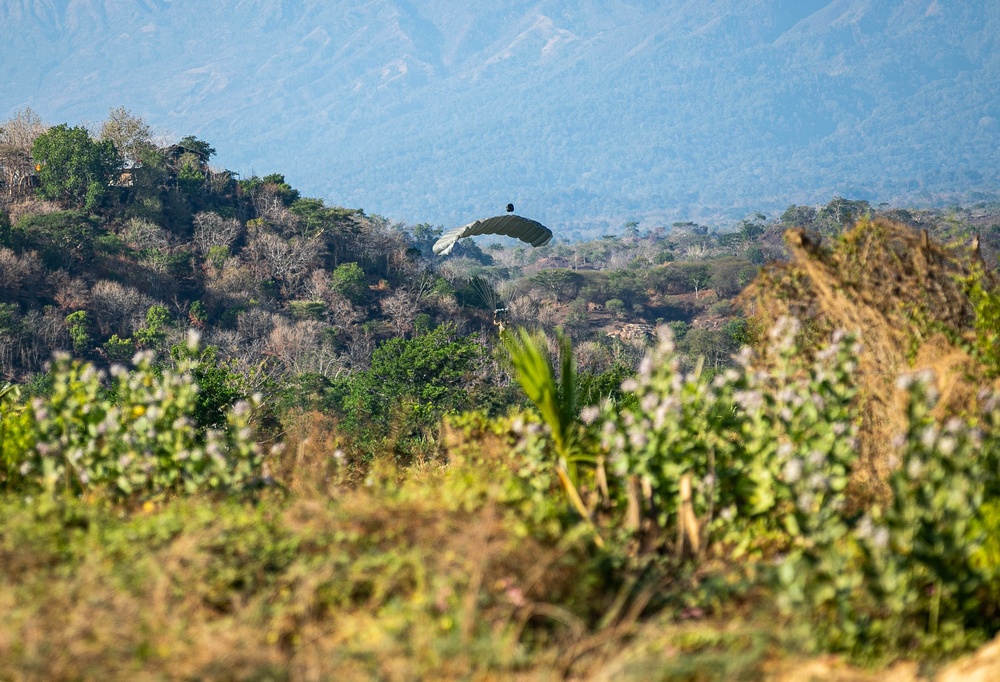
x: 114, y: 244
x: 248, y: 434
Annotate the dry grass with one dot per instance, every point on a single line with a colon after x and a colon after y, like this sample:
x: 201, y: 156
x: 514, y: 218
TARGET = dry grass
x: 310, y: 458
x: 30, y: 207
x: 901, y: 293
x: 407, y: 576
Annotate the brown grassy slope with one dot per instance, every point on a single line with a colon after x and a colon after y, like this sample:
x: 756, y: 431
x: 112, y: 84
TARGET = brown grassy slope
x: 902, y: 294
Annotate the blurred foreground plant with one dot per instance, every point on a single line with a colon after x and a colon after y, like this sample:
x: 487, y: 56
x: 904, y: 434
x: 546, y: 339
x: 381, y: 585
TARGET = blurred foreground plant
x: 930, y: 585
x: 140, y: 437
x: 556, y: 401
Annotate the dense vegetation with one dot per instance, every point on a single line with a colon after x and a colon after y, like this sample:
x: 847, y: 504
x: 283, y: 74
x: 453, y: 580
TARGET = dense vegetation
x: 246, y: 434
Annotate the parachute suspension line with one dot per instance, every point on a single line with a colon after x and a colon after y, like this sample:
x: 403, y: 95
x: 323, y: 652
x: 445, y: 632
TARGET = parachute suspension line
x: 486, y: 291
x: 496, y: 294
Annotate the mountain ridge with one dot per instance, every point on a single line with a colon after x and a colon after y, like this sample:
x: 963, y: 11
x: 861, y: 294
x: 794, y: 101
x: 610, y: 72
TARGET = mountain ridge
x: 588, y: 114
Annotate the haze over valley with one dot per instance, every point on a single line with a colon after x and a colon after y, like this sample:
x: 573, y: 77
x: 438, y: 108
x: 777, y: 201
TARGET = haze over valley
x: 585, y: 115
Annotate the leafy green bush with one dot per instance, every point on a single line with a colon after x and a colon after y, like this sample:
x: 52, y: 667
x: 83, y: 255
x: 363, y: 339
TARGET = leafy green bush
x: 74, y: 167
x: 143, y: 441
x: 926, y: 571
x: 409, y: 386
x: 217, y: 255
x: 63, y: 239
x: 776, y: 443
x: 768, y: 451
x: 985, y: 300
x: 77, y: 324
x: 198, y: 314
x: 152, y: 333
x: 118, y: 350
x: 348, y: 280
x: 615, y: 306
x: 220, y: 385
x: 307, y: 310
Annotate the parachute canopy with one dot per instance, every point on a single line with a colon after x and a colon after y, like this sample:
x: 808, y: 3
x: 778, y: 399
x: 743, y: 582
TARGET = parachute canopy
x: 510, y: 225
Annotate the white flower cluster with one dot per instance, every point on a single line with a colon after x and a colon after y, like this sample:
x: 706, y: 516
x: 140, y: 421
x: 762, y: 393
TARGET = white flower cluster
x: 792, y: 417
x: 141, y: 435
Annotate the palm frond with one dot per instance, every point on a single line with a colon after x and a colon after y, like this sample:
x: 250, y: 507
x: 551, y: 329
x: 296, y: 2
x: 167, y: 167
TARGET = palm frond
x: 555, y: 399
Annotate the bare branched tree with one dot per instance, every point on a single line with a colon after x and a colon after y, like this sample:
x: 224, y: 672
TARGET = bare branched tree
x: 19, y: 275
x: 142, y: 234
x: 359, y: 351
x: 288, y: 262
x: 522, y: 311
x: 72, y: 293
x: 234, y: 285
x: 343, y: 314
x: 401, y: 308
x: 253, y: 330
x: 118, y: 309
x: 298, y: 348
x: 211, y: 229
x: 130, y: 134
x: 27, y: 341
x: 16, y: 166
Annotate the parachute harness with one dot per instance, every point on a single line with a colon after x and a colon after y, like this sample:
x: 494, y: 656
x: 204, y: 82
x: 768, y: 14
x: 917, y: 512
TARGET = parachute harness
x: 500, y: 319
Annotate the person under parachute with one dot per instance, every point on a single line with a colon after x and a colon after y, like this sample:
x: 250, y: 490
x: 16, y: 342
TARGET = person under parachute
x: 500, y: 319
x: 508, y: 224
x: 496, y: 293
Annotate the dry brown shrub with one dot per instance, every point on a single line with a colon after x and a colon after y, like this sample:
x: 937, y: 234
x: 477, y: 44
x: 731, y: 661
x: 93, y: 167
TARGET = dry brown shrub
x: 311, y: 459
x: 72, y: 293
x: 141, y: 234
x: 211, y: 229
x: 29, y: 207
x: 19, y: 274
x: 378, y: 571
x: 901, y: 293
x: 118, y: 309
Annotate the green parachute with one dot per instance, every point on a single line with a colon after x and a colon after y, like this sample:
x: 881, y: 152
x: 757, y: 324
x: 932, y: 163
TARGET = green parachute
x: 510, y: 225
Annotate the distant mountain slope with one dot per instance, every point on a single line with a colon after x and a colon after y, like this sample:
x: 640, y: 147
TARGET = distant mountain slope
x: 578, y: 112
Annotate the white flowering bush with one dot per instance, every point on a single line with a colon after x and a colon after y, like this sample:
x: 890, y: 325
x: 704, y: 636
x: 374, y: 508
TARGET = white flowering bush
x: 920, y: 573
x: 138, y: 436
x: 773, y: 443
x: 923, y: 552
x: 768, y: 447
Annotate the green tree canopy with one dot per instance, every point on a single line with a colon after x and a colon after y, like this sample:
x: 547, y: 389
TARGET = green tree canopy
x: 219, y: 385
x: 679, y: 278
x: 798, y: 216
x: 844, y: 212
x: 74, y: 168
x: 412, y: 382
x: 64, y: 239
x: 275, y: 183
x: 565, y: 284
x: 200, y: 148
x: 348, y: 280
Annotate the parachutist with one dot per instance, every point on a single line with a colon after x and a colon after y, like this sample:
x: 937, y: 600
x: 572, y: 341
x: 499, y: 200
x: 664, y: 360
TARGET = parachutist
x: 500, y: 319
x: 507, y: 224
